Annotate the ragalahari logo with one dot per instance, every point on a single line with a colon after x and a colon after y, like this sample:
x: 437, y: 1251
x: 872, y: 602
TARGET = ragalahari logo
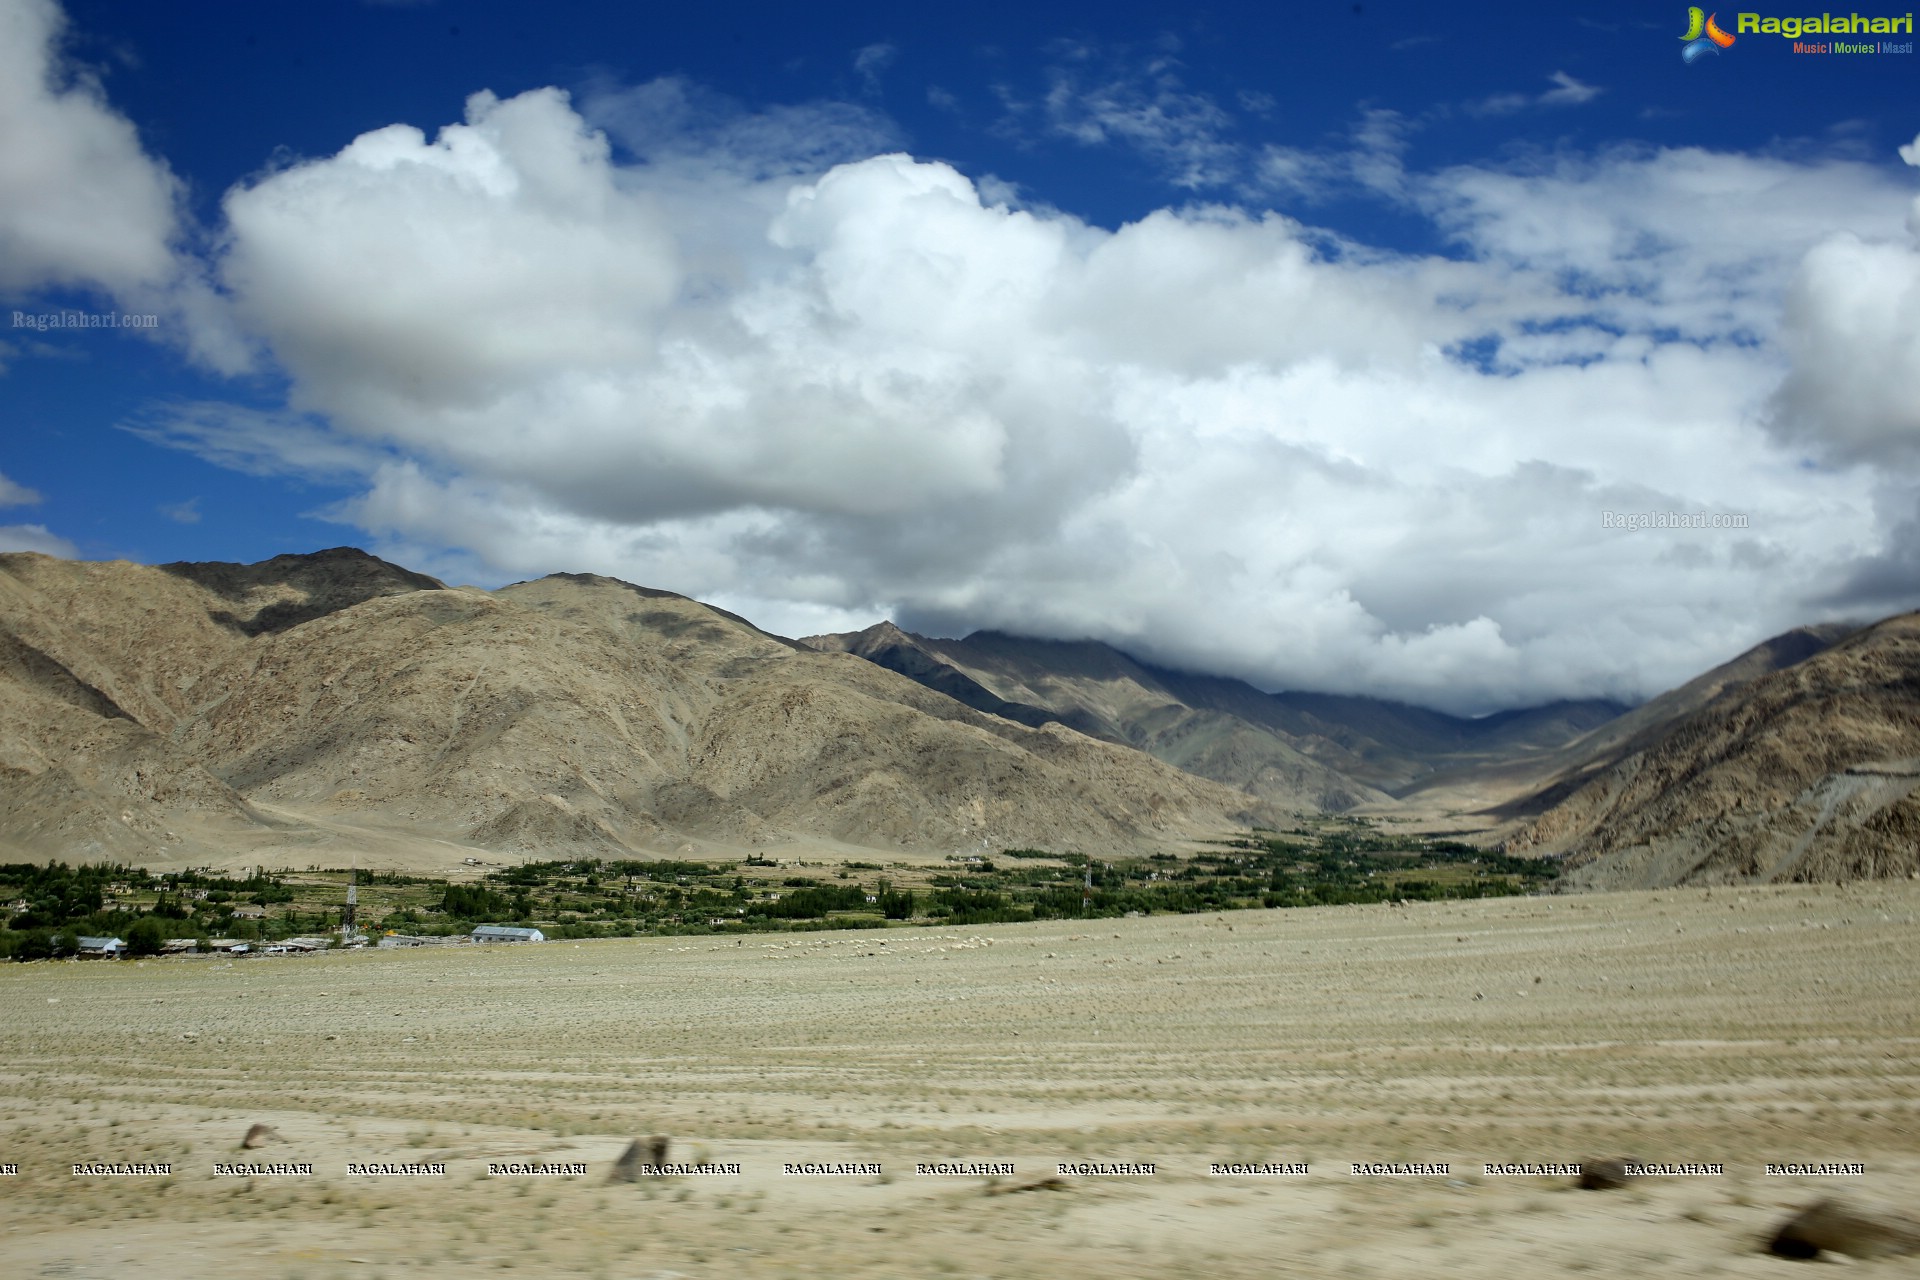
x: 1703, y: 36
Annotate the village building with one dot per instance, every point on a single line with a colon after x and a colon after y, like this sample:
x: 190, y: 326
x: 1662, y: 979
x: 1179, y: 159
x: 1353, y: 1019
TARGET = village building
x: 506, y: 933
x: 102, y: 948
x: 296, y: 946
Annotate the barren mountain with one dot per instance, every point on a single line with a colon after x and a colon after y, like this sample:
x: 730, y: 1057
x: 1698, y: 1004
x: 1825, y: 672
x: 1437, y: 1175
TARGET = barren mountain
x: 89, y: 698
x: 313, y: 708
x: 1807, y: 773
x: 308, y: 706
x: 1102, y: 692
x: 1301, y: 750
x: 1526, y: 783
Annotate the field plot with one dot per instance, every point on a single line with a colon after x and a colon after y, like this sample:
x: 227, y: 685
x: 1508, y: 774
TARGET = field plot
x: 1732, y: 1026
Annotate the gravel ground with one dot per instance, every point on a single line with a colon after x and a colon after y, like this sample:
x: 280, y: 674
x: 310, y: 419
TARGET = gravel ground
x: 1730, y: 1027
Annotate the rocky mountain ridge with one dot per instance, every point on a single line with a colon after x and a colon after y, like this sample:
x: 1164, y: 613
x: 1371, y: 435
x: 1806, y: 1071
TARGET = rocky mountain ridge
x: 1326, y: 752
x: 310, y: 706
x: 314, y: 708
x: 1806, y: 773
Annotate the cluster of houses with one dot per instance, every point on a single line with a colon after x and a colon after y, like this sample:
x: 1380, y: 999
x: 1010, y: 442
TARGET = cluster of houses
x: 113, y: 948
x: 126, y: 896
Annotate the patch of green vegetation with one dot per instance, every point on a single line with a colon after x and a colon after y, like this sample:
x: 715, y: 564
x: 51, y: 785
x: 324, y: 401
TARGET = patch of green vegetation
x: 48, y: 907
x: 1324, y: 861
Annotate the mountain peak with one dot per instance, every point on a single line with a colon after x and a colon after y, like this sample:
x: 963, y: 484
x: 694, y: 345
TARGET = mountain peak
x: 281, y: 593
x: 885, y: 632
x: 865, y: 643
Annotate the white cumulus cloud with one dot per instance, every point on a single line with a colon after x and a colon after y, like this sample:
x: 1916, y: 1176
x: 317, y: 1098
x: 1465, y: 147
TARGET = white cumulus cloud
x: 14, y: 494
x: 82, y: 204
x: 80, y: 201
x: 28, y: 537
x: 35, y: 537
x: 1852, y: 325
x: 822, y: 390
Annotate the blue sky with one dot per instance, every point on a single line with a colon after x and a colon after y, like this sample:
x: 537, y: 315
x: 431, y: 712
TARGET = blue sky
x: 1322, y: 345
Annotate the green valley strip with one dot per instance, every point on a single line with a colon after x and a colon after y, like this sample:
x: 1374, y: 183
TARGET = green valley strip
x: 1321, y: 862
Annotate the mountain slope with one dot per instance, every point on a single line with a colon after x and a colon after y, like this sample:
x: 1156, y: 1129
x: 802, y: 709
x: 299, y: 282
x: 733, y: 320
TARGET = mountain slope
x: 316, y: 708
x: 1103, y: 693
x: 1391, y: 745
x: 1807, y: 773
x: 312, y: 705
x: 93, y: 685
x: 1521, y: 785
x: 1299, y: 750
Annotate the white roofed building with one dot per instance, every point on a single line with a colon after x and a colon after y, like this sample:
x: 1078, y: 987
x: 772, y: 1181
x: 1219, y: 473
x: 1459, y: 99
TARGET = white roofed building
x: 506, y: 933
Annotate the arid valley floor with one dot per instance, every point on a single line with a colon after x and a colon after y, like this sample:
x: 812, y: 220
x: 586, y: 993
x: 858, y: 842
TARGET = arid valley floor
x: 1736, y: 1025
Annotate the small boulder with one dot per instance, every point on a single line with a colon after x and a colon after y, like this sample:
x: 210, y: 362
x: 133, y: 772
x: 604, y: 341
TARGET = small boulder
x: 259, y: 1136
x: 1605, y: 1175
x: 1834, y: 1227
x: 641, y: 1156
x: 1050, y: 1183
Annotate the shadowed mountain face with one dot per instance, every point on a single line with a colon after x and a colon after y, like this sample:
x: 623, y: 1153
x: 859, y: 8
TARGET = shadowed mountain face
x: 1810, y: 772
x: 887, y: 646
x: 1299, y: 750
x: 312, y: 708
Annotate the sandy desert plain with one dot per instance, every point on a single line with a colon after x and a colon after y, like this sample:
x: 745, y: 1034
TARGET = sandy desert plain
x: 1732, y: 1025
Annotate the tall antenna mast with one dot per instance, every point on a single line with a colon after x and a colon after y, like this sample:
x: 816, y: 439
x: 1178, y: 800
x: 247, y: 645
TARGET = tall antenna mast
x: 353, y: 898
